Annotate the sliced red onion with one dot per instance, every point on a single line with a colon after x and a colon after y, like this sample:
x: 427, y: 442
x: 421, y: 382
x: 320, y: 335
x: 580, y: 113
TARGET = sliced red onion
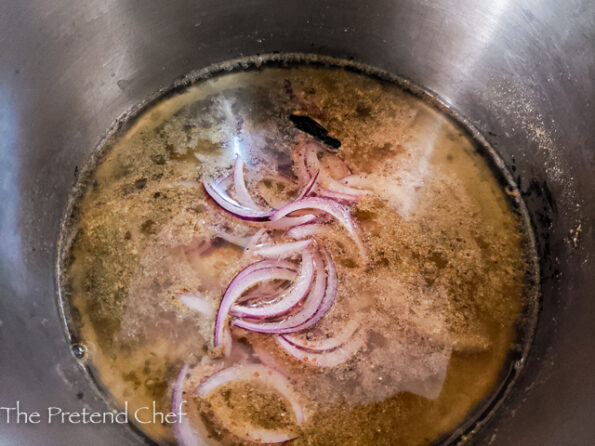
x: 288, y: 300
x: 185, y: 435
x: 339, y: 212
x: 326, y: 359
x: 316, y: 300
x: 328, y: 193
x: 303, y: 231
x: 289, y: 222
x: 234, y: 208
x: 255, y: 238
x: 248, y: 277
x: 252, y: 372
x: 269, y: 290
x: 278, y: 327
x: 245, y: 207
x: 264, y: 292
x: 325, y: 344
x: 237, y: 240
x: 309, y: 186
x: 224, y: 183
x: 281, y: 250
x: 313, y: 165
x: 196, y: 303
x: 316, y: 295
x: 330, y: 295
x: 239, y: 184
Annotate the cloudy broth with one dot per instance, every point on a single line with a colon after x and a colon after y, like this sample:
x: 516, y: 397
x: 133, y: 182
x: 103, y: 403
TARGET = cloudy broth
x: 433, y: 305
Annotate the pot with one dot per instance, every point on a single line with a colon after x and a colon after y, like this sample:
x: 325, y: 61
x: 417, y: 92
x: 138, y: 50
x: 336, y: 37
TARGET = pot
x: 522, y: 73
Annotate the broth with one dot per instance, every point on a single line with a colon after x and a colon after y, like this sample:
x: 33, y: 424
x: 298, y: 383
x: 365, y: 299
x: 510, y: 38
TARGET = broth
x: 437, y: 302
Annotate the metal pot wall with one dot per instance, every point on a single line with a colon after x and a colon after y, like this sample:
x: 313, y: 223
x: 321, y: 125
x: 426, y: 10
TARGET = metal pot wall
x: 523, y: 73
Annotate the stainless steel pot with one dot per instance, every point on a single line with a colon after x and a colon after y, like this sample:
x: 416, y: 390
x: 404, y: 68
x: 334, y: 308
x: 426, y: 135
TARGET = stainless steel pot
x: 522, y: 72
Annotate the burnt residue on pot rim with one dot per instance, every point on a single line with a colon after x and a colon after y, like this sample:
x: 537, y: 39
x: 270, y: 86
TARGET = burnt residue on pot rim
x: 528, y: 321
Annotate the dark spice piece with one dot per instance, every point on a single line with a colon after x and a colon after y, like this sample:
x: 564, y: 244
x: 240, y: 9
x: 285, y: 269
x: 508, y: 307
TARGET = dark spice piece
x: 140, y: 183
x: 308, y: 125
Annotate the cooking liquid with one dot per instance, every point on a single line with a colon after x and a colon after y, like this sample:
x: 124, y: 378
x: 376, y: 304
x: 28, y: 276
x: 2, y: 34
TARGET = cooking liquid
x: 437, y: 302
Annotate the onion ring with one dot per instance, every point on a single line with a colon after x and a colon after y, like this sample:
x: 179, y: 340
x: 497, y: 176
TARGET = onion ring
x: 281, y: 250
x: 249, y: 276
x: 249, y: 372
x: 339, y: 212
x: 289, y: 222
x: 327, y: 358
x: 286, y: 302
x: 317, y: 304
x: 270, y: 378
x: 303, y: 231
x: 226, y: 203
x: 339, y: 196
x: 325, y: 344
x: 329, y: 297
x: 309, y: 186
x: 313, y: 164
x: 239, y: 185
x: 255, y: 238
x: 196, y: 303
x: 185, y: 435
x: 237, y: 240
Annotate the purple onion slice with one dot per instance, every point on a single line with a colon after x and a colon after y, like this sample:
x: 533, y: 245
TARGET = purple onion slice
x: 316, y: 305
x: 303, y: 231
x: 234, y: 208
x: 313, y: 165
x: 250, y: 372
x: 196, y: 303
x: 255, y: 238
x: 326, y: 359
x: 330, y: 295
x: 336, y: 210
x: 239, y: 185
x: 288, y: 300
x: 309, y: 186
x: 185, y: 435
x: 326, y: 344
x: 339, y: 196
x: 289, y: 222
x: 281, y: 250
x: 248, y: 277
x: 268, y: 377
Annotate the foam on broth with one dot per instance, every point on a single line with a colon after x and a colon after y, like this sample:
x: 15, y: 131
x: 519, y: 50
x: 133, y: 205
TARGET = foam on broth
x: 439, y: 299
